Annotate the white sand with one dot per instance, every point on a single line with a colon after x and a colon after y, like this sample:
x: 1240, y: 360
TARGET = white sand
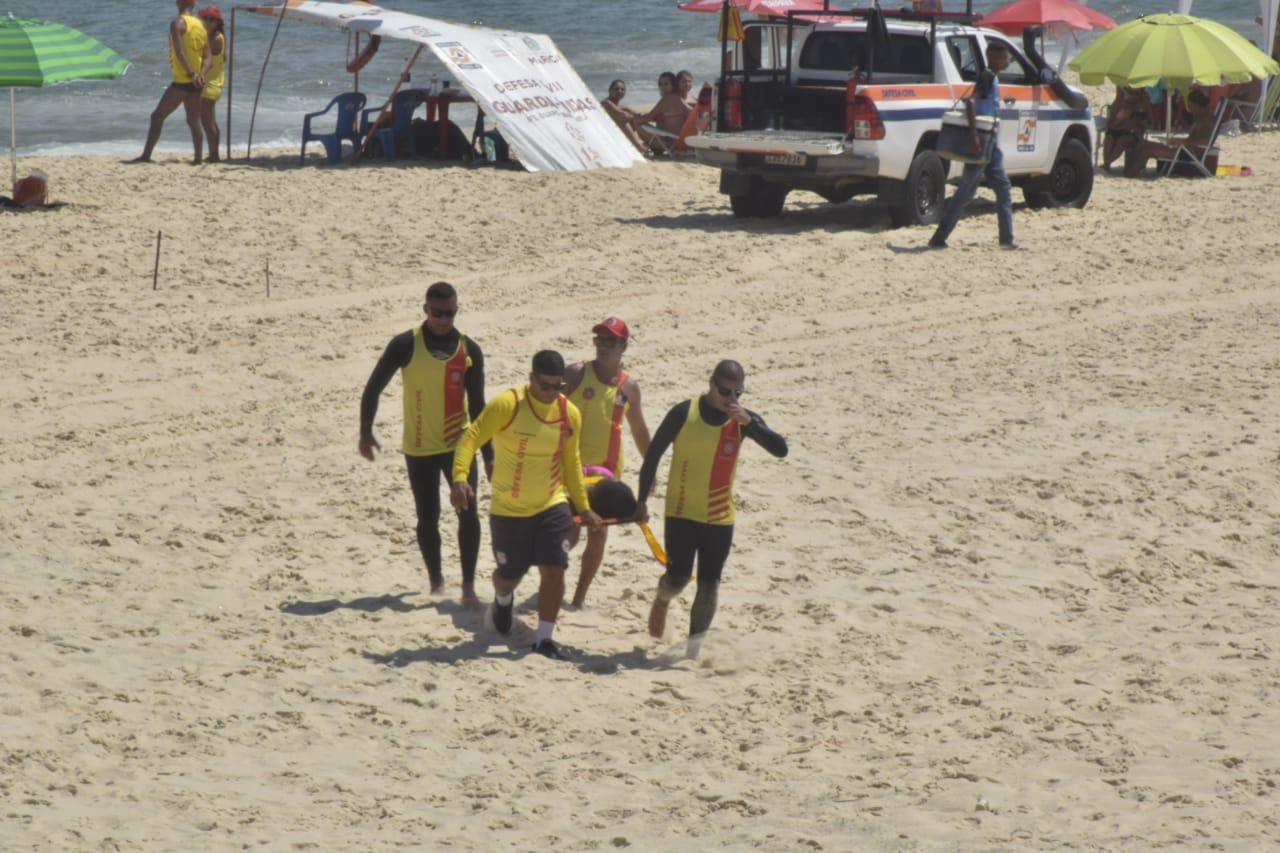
x: 1023, y: 553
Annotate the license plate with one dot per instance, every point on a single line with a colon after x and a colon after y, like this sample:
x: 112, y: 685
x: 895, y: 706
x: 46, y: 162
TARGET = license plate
x: 784, y: 159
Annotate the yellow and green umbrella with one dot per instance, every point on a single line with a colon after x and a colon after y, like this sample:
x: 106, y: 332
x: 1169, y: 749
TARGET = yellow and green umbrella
x: 1181, y: 50
x: 36, y: 53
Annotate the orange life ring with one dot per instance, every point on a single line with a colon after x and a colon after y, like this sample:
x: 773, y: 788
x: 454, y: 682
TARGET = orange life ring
x: 365, y: 55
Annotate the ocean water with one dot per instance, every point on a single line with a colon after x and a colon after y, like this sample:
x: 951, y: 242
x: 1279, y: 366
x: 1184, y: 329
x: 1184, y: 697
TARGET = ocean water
x: 603, y: 39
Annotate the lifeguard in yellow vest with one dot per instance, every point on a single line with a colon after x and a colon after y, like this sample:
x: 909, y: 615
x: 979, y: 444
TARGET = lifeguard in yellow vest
x: 707, y: 433
x: 607, y: 396
x: 190, y: 60
x: 442, y: 371
x: 535, y: 432
x: 215, y: 79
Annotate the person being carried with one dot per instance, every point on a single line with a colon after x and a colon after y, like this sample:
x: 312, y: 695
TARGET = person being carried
x: 985, y: 102
x: 538, y: 470
x: 707, y: 433
x: 1199, y: 136
x: 211, y: 17
x: 439, y: 366
x: 606, y: 395
x: 622, y: 115
x: 189, y: 60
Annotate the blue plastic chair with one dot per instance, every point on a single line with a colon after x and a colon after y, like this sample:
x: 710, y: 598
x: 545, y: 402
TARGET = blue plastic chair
x: 349, y: 105
x: 396, y: 139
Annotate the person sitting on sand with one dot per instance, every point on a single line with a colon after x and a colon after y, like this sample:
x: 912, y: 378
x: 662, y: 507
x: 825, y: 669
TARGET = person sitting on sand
x: 1203, y: 124
x: 1128, y: 120
x: 684, y: 88
x: 620, y: 114
x: 667, y: 115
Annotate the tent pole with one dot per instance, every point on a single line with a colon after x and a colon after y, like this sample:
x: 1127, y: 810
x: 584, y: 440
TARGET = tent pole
x: 231, y: 66
x: 404, y: 78
x: 248, y: 148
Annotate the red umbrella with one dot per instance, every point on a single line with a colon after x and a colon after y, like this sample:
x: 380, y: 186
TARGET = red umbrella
x: 1020, y: 14
x: 755, y: 7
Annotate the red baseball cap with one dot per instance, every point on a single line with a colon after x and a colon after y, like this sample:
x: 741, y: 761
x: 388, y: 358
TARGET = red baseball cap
x: 615, y: 326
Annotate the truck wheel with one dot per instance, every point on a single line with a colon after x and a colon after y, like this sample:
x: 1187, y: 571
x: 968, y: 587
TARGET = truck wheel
x: 1069, y: 184
x: 761, y: 199
x: 923, y: 192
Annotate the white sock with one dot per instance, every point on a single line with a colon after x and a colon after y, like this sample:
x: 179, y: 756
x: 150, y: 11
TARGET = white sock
x: 510, y: 597
x: 545, y: 629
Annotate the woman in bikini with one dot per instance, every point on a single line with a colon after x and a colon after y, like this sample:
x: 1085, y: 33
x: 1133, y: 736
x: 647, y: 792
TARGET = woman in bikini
x: 1128, y: 120
x: 667, y: 115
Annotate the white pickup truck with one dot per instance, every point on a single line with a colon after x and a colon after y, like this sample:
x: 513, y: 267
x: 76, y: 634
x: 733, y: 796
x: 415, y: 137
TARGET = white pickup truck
x: 852, y: 104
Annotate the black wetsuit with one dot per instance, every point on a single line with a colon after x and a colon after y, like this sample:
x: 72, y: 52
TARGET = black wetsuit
x: 685, y: 538
x: 425, y: 471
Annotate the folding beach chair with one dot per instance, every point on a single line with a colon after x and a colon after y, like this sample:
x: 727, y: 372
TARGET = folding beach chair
x: 1192, y: 159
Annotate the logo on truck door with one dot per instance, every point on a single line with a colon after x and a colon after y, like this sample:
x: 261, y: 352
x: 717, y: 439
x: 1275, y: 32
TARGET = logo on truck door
x: 1027, y: 130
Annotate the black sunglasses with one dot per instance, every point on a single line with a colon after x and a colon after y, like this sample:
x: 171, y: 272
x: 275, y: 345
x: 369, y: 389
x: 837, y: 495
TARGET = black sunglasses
x: 443, y: 312
x: 729, y: 392
x: 551, y: 386
x: 607, y: 342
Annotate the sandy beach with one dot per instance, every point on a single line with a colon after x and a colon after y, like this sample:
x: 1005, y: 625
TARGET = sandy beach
x: 1014, y: 588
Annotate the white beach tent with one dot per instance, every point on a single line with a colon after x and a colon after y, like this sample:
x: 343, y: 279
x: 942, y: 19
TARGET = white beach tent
x: 521, y: 80
x: 1270, y: 10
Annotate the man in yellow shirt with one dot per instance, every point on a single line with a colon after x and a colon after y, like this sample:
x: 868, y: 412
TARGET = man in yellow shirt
x: 707, y: 433
x: 442, y: 374
x: 189, y: 59
x: 536, y: 472
x: 606, y: 395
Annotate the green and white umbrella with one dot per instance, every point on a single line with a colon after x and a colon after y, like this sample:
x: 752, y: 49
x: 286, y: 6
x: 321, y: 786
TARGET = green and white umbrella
x: 36, y: 53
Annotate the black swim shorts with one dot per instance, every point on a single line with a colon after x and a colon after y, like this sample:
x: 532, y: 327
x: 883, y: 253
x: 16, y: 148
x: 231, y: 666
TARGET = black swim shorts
x: 539, y: 540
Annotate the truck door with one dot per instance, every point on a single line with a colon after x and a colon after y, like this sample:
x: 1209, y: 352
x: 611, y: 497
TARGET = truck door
x: 1023, y: 140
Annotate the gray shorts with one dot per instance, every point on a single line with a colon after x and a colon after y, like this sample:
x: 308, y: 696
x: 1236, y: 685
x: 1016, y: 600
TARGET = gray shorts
x: 538, y: 540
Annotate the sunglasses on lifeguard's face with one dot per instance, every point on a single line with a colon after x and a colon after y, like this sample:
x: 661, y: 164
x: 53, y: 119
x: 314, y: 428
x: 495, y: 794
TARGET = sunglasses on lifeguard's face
x: 442, y: 312
x: 729, y: 392
x: 606, y: 341
x: 549, y: 386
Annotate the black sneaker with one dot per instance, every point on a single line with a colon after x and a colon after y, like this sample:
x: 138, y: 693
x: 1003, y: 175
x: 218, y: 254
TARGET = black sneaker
x: 549, y: 649
x: 502, y: 614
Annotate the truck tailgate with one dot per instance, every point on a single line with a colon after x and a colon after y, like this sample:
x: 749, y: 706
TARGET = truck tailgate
x: 780, y: 142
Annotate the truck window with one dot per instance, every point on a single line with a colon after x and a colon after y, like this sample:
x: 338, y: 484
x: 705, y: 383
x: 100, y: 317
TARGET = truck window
x: 751, y: 49
x: 964, y: 53
x: 844, y: 51
x: 1019, y: 72
x: 762, y: 48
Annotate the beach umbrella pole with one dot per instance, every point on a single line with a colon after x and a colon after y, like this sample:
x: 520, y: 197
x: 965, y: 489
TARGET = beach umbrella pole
x: 13, y: 137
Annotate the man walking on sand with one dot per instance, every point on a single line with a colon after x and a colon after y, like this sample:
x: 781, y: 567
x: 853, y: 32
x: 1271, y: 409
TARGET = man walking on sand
x: 707, y: 432
x: 189, y: 59
x: 606, y: 396
x: 985, y: 102
x: 439, y: 366
x: 535, y: 431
